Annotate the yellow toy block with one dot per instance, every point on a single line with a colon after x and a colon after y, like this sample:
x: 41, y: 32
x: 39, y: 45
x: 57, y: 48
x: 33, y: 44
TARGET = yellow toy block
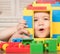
x: 55, y: 8
x: 56, y: 27
x: 31, y: 31
x: 5, y: 46
x: 41, y: 39
x: 48, y: 6
x: 20, y: 45
x: 27, y: 12
x: 58, y: 47
x: 4, y: 53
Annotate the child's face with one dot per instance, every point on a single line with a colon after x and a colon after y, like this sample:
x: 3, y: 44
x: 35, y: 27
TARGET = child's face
x: 41, y: 24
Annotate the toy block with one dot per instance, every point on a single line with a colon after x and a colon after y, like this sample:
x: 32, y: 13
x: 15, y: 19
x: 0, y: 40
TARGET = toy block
x: 53, y: 53
x: 46, y: 1
x: 14, y: 44
x: 27, y: 12
x: 12, y: 50
x: 29, y: 21
x: 56, y: 8
x: 58, y: 47
x: 58, y: 0
x: 55, y: 35
x: 51, y: 45
x: 56, y: 28
x: 36, y: 47
x: 1, y: 44
x: 10, y: 45
x: 27, y: 41
x: 31, y: 36
x: 23, y: 48
x: 56, y: 4
x: 58, y: 43
x: 58, y: 39
x: 31, y: 31
x: 4, y: 46
x: 39, y: 5
x: 30, y: 7
x: 56, y: 15
x: 17, y: 40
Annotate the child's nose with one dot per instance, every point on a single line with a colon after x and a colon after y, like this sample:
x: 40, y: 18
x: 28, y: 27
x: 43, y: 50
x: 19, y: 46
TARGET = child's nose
x: 40, y: 23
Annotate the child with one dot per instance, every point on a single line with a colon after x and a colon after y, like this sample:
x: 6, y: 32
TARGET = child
x: 41, y: 28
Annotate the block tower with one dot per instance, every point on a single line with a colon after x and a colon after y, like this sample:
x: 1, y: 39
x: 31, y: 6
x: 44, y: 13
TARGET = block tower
x: 51, y: 6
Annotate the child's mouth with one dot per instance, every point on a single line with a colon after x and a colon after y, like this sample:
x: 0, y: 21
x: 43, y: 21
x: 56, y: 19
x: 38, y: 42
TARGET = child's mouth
x: 41, y: 30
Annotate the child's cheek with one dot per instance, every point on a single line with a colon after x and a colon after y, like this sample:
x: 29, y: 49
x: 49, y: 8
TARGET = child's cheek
x: 35, y: 25
x: 46, y: 24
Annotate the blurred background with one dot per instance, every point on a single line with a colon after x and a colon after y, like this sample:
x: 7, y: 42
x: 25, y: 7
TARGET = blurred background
x: 11, y: 11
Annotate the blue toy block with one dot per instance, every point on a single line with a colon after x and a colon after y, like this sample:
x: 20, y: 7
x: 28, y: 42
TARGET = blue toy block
x: 29, y: 21
x: 17, y: 40
x: 55, y: 35
x: 56, y: 5
x: 56, y: 15
x: 31, y: 36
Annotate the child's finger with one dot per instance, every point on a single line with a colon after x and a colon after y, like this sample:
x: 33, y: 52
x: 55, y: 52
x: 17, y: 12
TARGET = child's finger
x: 23, y: 26
x: 25, y: 32
x: 15, y: 36
x: 2, y: 41
x: 25, y: 37
x: 22, y: 21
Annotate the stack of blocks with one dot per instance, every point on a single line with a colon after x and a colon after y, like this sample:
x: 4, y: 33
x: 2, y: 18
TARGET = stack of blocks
x: 33, y: 47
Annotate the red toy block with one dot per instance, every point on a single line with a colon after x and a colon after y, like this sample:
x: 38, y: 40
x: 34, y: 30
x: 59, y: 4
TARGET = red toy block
x: 1, y: 44
x: 14, y: 44
x: 22, y: 49
x: 30, y: 7
x: 58, y: 0
x: 46, y: 1
x: 13, y: 47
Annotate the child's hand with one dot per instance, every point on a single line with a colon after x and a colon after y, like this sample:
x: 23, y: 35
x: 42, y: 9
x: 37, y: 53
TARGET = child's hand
x: 23, y: 33
x: 22, y: 24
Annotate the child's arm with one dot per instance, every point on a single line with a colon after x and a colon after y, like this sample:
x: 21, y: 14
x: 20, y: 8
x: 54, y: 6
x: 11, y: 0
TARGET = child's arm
x: 7, y: 33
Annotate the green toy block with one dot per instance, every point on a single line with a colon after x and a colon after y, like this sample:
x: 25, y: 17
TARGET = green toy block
x: 27, y: 41
x: 36, y: 48
x: 52, y: 53
x: 58, y: 39
x: 51, y: 45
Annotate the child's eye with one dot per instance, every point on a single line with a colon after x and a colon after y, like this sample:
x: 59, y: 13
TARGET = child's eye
x: 35, y: 20
x: 46, y: 19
